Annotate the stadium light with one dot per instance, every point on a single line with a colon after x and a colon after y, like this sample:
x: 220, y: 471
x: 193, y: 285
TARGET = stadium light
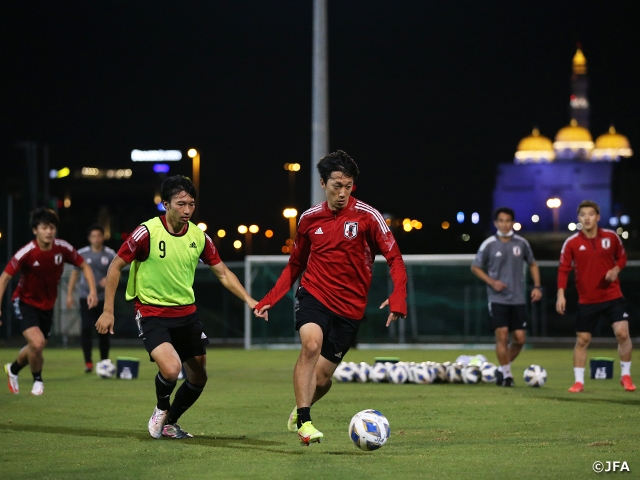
x: 291, y: 214
x: 554, y: 204
x: 202, y: 226
x: 243, y: 229
x: 221, y: 233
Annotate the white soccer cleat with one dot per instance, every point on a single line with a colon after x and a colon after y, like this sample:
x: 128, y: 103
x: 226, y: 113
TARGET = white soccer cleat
x: 38, y: 388
x: 157, y: 421
x: 292, y: 423
x: 12, y: 380
x: 174, y: 431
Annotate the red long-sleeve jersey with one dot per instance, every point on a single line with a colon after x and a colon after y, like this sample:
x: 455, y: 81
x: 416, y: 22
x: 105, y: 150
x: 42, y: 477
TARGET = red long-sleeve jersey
x: 337, y: 249
x: 591, y: 259
x: 40, y: 271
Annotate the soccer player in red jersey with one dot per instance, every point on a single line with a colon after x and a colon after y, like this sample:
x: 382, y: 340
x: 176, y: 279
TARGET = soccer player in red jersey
x: 597, y: 256
x: 334, y: 246
x: 40, y: 263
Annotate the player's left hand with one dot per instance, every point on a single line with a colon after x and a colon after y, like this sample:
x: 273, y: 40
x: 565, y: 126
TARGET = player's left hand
x: 92, y: 299
x: 393, y: 316
x: 611, y: 275
x: 536, y: 294
x: 263, y: 312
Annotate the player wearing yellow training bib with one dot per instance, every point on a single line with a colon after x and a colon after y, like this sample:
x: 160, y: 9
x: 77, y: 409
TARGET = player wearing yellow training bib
x: 163, y: 253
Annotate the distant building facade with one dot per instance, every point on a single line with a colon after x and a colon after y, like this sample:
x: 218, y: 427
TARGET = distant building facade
x: 570, y: 169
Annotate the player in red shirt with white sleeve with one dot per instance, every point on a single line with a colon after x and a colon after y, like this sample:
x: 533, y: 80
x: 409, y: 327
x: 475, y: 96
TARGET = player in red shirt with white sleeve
x: 40, y: 263
x: 596, y: 256
x: 335, y: 246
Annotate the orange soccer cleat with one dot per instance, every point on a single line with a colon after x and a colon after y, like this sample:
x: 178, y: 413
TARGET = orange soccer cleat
x: 577, y: 387
x: 626, y: 382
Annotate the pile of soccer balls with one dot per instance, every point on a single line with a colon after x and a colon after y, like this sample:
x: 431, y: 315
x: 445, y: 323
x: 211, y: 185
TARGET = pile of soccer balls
x: 466, y: 369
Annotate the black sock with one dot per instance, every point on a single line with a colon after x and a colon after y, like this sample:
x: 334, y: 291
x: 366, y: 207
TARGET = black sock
x: 15, y: 367
x: 186, y: 396
x: 304, y: 415
x: 37, y: 376
x: 164, y: 388
x: 104, y: 345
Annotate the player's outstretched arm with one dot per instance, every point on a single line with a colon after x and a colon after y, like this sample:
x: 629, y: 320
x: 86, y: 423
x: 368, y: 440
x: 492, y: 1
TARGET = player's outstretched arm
x: 536, y: 292
x: 393, y: 316
x: 561, y: 302
x: 231, y: 283
x: 5, y: 278
x: 92, y: 298
x: 106, y: 320
x: 497, y: 285
x: 72, y: 285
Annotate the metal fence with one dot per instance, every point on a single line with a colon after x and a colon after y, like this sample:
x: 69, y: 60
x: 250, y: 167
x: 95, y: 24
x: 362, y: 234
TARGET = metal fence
x: 446, y: 304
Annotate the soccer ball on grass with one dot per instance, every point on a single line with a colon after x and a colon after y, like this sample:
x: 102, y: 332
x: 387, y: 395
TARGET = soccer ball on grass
x: 369, y: 430
x: 535, y: 376
x: 105, y: 369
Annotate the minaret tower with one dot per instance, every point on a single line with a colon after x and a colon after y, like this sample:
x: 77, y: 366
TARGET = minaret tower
x: 579, y: 103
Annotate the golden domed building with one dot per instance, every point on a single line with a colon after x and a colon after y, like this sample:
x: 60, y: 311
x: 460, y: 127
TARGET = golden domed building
x: 611, y: 146
x: 572, y: 168
x: 535, y: 148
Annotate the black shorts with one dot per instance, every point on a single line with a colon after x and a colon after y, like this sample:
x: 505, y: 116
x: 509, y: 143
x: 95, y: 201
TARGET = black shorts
x: 512, y: 316
x: 89, y: 316
x: 338, y: 333
x: 29, y: 316
x: 589, y: 314
x: 185, y: 334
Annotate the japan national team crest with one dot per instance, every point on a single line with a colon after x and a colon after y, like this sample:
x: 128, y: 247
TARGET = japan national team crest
x: 606, y: 243
x: 516, y: 251
x: 58, y: 258
x: 350, y: 230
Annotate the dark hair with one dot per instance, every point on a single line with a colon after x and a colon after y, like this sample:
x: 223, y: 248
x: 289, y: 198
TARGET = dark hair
x: 506, y: 210
x: 589, y: 203
x: 44, y: 215
x: 337, y: 162
x: 172, y: 186
x: 95, y: 226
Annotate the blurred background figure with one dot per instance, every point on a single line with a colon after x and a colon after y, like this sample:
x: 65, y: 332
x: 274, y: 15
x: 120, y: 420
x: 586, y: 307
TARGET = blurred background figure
x: 98, y: 257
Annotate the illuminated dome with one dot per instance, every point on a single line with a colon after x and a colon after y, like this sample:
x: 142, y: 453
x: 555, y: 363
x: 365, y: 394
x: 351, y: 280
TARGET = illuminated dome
x: 535, y: 148
x: 611, y: 146
x: 579, y: 63
x: 573, y: 141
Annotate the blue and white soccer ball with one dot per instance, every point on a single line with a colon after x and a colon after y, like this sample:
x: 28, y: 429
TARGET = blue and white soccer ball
x: 454, y: 372
x: 344, y: 372
x: 105, y: 369
x: 378, y: 373
x: 424, y: 374
x: 535, y: 376
x: 397, y: 373
x: 369, y: 430
x: 361, y: 374
x: 471, y: 374
x: 489, y: 372
x: 440, y: 371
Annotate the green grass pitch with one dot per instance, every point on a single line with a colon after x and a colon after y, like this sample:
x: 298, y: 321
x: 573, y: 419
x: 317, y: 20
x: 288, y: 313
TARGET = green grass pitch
x: 87, y: 427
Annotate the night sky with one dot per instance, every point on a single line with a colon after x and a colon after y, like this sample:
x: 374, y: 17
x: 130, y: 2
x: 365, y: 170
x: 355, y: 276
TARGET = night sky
x: 427, y: 97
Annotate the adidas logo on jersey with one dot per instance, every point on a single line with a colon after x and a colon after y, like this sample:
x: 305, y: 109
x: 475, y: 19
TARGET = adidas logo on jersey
x: 36, y: 263
x: 582, y: 247
x: 319, y: 231
x: 498, y: 254
x: 193, y: 245
x: 203, y: 336
x: 339, y: 354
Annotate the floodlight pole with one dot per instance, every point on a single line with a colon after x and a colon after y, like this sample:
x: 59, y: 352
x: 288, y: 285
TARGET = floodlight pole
x: 320, y: 98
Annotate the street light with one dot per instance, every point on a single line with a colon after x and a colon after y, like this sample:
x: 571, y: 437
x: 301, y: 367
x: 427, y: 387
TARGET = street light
x: 195, y: 171
x: 248, y: 236
x: 292, y: 168
x: 291, y: 214
x: 554, y: 204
